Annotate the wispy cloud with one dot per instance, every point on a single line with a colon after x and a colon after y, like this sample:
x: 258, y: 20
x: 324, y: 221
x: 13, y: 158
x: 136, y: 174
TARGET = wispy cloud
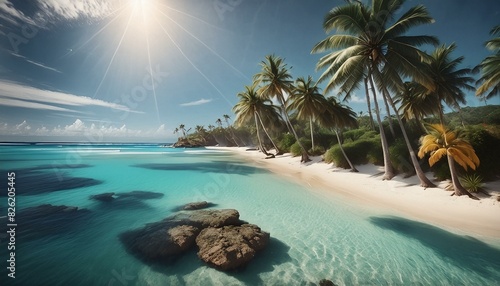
x: 76, y: 9
x: 12, y: 15
x: 14, y: 94
x: 197, y: 102
x: 82, y: 130
x: 356, y: 99
x: 36, y: 63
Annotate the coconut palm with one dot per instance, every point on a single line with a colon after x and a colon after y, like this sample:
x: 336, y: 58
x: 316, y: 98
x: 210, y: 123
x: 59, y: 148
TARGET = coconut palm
x: 276, y: 83
x: 249, y: 107
x: 440, y: 142
x: 307, y: 101
x: 182, y: 128
x: 490, y: 68
x: 337, y: 116
x: 448, y: 82
x: 231, y: 131
x: 414, y: 103
x: 218, y: 122
x: 368, y: 45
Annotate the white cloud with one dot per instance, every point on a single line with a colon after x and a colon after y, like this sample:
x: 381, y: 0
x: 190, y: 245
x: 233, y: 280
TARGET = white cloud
x: 76, y: 9
x: 14, y: 94
x: 356, y: 99
x: 10, y: 14
x: 197, y: 102
x: 79, y: 131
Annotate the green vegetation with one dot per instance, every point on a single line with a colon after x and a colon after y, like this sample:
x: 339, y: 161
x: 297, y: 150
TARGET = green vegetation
x: 390, y: 66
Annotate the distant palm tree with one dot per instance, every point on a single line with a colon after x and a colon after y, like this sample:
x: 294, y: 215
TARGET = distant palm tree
x: 211, y: 127
x: 249, y: 107
x: 182, y: 128
x: 448, y: 82
x: 231, y: 131
x: 307, y: 101
x: 490, y: 68
x: 276, y: 82
x: 378, y: 50
x: 218, y: 122
x: 176, y: 130
x: 337, y: 117
x: 443, y: 142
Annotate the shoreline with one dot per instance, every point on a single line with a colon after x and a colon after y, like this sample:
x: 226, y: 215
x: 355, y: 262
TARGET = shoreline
x: 399, y: 196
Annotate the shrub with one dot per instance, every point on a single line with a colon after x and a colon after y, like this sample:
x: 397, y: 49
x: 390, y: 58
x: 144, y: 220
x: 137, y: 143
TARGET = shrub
x: 472, y: 183
x: 359, y: 152
x: 286, y: 142
x: 400, y: 157
x: 486, y: 147
x: 295, y: 148
x: 317, y: 150
x: 356, y: 134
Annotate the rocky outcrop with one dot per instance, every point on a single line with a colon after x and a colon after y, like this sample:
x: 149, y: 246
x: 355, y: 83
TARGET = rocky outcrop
x: 326, y: 282
x: 196, y: 205
x: 236, y: 242
x: 230, y: 247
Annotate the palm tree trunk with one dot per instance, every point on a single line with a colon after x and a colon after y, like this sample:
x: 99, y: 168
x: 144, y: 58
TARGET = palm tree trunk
x: 389, y: 117
x: 424, y: 181
x: 388, y: 169
x: 305, y: 156
x: 353, y: 169
x: 312, y: 135
x: 459, y: 189
x: 369, y: 105
x: 441, y: 114
x: 278, y: 152
x: 261, y: 147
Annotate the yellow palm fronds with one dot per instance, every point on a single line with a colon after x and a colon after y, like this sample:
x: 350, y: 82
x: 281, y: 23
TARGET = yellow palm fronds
x: 440, y: 141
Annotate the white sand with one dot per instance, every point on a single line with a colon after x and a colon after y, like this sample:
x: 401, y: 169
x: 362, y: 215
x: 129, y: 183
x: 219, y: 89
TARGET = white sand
x: 403, y: 197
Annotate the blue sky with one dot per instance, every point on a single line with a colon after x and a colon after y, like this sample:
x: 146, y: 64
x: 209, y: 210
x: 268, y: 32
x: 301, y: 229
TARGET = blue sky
x: 103, y: 71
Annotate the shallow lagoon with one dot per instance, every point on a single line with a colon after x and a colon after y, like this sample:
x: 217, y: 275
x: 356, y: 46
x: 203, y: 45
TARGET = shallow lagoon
x: 313, y: 236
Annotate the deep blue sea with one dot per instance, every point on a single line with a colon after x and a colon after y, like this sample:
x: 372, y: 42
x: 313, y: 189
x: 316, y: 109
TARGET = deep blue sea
x: 313, y: 236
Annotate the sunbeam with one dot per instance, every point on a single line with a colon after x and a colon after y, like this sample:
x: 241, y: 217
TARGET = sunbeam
x: 192, y: 64
x: 206, y: 46
x: 151, y: 68
x: 114, y: 54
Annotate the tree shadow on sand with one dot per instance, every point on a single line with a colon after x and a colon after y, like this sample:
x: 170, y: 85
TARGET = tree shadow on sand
x: 464, y: 251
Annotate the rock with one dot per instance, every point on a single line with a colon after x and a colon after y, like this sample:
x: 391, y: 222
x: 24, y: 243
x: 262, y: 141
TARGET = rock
x: 196, y: 205
x: 104, y: 197
x: 326, y: 282
x: 141, y: 195
x: 211, y: 218
x: 46, y: 220
x: 230, y: 247
x: 166, y: 239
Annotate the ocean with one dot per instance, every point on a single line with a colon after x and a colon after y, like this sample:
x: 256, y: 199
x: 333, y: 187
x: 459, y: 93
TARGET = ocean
x: 313, y: 236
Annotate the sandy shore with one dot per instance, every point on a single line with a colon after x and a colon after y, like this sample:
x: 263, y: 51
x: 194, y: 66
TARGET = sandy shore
x: 400, y: 196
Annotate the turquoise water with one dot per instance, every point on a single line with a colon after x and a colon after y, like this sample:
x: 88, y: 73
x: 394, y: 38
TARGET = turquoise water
x: 313, y: 236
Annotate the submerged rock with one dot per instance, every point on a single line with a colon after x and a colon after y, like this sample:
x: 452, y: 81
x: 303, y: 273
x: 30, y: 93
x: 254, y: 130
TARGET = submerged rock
x: 326, y: 282
x: 104, y: 197
x: 230, y: 247
x: 196, y: 205
x: 142, y: 195
x: 166, y: 239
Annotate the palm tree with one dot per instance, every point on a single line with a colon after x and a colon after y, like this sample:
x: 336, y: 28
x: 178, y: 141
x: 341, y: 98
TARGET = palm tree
x: 275, y: 80
x: 448, y: 82
x: 210, y: 127
x: 307, y: 101
x: 250, y: 107
x: 415, y: 104
x: 231, y: 131
x: 218, y: 122
x: 440, y: 142
x: 176, y: 130
x: 490, y: 68
x: 337, y: 116
x: 375, y: 49
x: 182, y: 128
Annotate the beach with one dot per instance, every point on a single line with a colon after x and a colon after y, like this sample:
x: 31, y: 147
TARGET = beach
x: 399, y: 196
